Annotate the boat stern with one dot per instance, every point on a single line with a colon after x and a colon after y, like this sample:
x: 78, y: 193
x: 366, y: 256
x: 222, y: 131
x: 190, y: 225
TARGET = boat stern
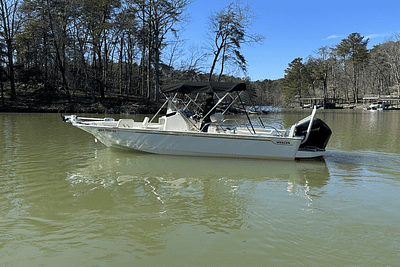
x: 310, y: 153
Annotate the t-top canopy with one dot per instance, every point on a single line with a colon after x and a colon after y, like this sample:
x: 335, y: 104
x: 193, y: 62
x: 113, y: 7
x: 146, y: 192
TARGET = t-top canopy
x: 203, y: 87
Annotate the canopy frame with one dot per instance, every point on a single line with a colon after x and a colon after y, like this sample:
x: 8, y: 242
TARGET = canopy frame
x: 187, y: 88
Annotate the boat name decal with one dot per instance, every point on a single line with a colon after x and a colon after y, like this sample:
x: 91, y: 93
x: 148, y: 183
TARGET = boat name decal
x: 282, y: 142
x: 107, y: 130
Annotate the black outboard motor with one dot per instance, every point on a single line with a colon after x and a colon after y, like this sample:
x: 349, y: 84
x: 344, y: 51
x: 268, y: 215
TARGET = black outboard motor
x: 319, y: 134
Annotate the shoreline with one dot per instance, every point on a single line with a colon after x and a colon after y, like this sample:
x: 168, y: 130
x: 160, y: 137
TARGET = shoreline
x: 58, y: 102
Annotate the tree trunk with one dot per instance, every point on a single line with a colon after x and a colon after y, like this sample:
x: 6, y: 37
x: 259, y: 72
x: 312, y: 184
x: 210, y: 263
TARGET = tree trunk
x: 2, y: 91
x: 157, y: 59
x: 11, y: 72
x: 222, y: 64
x: 214, y: 62
x: 120, y: 64
x: 105, y: 64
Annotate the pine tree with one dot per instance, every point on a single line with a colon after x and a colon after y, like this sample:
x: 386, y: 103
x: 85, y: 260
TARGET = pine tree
x: 354, y: 51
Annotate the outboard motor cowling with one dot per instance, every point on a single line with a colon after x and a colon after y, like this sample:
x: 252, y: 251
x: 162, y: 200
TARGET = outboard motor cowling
x: 319, y: 134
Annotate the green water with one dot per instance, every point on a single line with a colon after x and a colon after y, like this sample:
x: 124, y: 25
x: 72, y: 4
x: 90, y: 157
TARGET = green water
x: 69, y: 201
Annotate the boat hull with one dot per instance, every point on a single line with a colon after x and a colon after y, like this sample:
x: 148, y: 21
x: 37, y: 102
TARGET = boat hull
x: 197, y: 143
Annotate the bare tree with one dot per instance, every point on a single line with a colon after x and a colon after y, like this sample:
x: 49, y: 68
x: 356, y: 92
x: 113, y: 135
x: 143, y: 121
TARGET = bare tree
x: 229, y: 29
x: 9, y: 26
x: 158, y: 18
x: 391, y: 51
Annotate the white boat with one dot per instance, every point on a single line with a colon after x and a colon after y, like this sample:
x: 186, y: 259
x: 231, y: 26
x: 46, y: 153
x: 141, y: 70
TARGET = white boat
x: 378, y: 106
x: 195, y: 131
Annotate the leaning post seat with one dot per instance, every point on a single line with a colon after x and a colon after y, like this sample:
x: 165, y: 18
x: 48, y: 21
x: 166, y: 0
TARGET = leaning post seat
x: 217, y: 117
x: 125, y: 123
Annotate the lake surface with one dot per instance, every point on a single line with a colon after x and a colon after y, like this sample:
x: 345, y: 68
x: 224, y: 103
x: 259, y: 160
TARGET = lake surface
x: 67, y: 200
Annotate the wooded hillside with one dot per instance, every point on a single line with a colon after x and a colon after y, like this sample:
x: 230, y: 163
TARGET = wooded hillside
x: 111, y: 54
x: 347, y: 71
x: 100, y: 49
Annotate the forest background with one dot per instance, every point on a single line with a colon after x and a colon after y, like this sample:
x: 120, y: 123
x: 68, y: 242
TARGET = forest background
x: 113, y: 56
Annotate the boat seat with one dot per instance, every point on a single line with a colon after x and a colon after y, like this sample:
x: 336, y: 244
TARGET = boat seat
x: 125, y: 123
x: 161, y: 120
x: 217, y: 117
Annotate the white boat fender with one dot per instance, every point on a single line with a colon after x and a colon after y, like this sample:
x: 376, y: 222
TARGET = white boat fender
x: 145, y: 121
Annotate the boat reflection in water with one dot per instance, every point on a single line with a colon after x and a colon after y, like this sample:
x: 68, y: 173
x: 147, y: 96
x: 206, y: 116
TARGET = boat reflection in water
x: 196, y: 190
x: 121, y: 166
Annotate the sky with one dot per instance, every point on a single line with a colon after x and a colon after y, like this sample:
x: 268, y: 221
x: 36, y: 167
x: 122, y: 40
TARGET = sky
x: 299, y: 28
